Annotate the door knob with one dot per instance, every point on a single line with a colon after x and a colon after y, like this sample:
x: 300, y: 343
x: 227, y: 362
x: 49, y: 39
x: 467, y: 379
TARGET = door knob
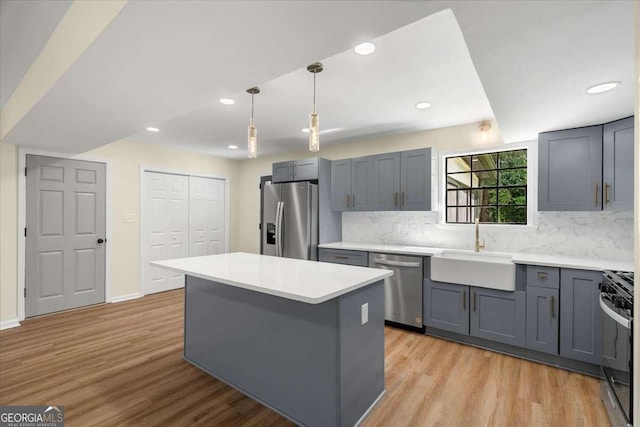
x: 101, y: 241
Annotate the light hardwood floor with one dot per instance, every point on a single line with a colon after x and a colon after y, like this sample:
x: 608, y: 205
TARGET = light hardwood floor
x: 120, y: 364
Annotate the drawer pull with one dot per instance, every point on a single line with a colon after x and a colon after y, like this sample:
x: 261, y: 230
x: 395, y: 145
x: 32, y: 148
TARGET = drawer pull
x: 341, y: 257
x: 542, y: 275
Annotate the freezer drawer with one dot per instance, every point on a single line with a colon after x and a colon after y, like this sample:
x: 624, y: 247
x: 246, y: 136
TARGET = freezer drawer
x: 403, y: 290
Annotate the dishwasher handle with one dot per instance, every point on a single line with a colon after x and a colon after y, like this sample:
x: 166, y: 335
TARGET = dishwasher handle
x: 396, y: 263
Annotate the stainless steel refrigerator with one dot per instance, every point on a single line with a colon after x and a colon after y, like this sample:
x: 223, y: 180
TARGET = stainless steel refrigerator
x: 290, y: 220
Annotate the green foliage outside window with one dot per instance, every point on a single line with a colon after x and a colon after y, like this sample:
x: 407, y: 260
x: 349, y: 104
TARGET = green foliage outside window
x: 489, y: 186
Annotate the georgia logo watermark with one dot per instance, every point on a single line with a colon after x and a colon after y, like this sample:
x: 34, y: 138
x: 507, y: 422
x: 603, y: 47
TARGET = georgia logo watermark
x: 32, y: 416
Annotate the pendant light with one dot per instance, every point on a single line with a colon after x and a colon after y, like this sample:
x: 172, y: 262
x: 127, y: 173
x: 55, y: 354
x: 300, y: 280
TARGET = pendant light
x: 314, y: 124
x: 252, y: 133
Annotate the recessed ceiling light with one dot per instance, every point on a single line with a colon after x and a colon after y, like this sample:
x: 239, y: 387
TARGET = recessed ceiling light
x: 603, y: 87
x: 305, y: 130
x: 153, y: 129
x: 423, y: 105
x: 227, y: 101
x: 233, y: 147
x: 366, y: 48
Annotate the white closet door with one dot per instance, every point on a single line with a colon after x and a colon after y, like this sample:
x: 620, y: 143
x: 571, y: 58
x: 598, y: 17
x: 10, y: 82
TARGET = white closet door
x: 166, y: 227
x: 206, y: 216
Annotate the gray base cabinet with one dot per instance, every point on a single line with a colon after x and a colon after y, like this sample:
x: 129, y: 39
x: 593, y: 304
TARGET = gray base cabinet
x: 580, y: 318
x: 542, y: 319
x: 498, y: 316
x: 342, y: 256
x: 446, y: 306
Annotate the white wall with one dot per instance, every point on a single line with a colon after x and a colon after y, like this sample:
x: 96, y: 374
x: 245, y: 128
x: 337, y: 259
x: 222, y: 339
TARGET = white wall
x: 8, y: 232
x: 125, y: 159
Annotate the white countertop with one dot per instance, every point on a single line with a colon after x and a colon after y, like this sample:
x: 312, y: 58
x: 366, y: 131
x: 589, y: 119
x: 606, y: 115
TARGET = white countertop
x: 378, y: 247
x: 306, y: 281
x: 581, y: 263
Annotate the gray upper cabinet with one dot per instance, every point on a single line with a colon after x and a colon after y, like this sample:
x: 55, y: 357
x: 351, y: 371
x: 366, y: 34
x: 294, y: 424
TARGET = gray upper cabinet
x: 415, y: 180
x: 295, y: 170
x: 386, y: 182
x: 340, y: 185
x: 617, y: 172
x: 282, y: 172
x: 542, y: 319
x: 570, y: 170
x: 498, y: 316
x: 580, y: 318
x: 361, y: 181
x: 446, y: 306
x: 351, y: 184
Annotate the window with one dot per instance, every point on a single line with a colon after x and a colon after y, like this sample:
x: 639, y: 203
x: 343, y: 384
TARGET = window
x: 489, y: 186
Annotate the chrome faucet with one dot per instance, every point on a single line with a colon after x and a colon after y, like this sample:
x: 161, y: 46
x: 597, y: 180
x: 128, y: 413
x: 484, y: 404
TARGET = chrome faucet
x: 478, y: 244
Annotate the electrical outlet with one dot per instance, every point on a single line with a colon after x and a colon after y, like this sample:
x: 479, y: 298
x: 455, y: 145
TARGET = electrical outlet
x: 128, y: 218
x: 364, y: 313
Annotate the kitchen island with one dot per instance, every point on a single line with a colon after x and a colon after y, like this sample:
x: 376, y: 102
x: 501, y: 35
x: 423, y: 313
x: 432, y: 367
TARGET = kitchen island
x: 304, y: 338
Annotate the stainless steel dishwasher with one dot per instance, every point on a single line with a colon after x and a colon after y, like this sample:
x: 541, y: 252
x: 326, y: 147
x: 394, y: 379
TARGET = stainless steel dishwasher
x: 403, y: 290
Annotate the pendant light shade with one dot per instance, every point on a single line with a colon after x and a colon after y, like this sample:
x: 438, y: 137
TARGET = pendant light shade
x: 252, y: 133
x: 314, y: 122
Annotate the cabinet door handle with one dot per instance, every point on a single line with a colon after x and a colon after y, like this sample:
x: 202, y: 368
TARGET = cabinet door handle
x: 474, y: 301
x: 402, y: 199
x: 347, y: 201
x: 606, y: 193
x: 542, y: 275
x: 553, y: 307
x: 395, y: 199
x: 353, y: 201
x: 464, y: 300
x: 595, y: 194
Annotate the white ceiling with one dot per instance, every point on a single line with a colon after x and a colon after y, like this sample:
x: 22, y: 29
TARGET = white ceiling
x: 159, y: 60
x: 25, y: 28
x: 357, y: 96
x: 536, y: 58
x: 165, y: 64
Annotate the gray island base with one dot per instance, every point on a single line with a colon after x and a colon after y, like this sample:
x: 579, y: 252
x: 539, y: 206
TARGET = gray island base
x: 315, y: 364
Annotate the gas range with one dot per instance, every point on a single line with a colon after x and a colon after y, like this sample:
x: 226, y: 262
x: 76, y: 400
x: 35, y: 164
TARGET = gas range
x: 619, y: 286
x: 616, y: 302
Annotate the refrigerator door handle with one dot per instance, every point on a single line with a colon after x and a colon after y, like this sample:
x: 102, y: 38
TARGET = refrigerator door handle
x: 278, y: 209
x: 279, y: 231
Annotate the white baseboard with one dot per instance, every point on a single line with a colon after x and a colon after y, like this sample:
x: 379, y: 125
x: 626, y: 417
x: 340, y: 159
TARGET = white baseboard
x: 127, y: 297
x: 8, y: 324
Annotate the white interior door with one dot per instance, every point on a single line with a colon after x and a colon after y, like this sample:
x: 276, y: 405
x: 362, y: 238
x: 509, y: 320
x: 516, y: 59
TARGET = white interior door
x: 206, y: 216
x: 166, y: 220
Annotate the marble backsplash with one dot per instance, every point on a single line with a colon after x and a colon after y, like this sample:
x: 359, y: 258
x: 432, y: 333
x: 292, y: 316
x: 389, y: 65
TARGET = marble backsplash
x: 604, y: 234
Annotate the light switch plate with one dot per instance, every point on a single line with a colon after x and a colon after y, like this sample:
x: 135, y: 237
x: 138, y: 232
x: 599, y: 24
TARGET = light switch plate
x: 364, y: 313
x: 128, y: 218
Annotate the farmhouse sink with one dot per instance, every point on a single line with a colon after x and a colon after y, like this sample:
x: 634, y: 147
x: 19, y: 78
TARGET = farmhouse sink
x: 485, y: 270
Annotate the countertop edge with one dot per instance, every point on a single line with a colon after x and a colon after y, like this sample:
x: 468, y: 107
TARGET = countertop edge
x: 517, y: 258
x: 262, y: 290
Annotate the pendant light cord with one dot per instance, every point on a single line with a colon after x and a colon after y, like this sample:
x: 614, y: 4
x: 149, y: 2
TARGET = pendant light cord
x: 314, y: 92
x: 252, y: 105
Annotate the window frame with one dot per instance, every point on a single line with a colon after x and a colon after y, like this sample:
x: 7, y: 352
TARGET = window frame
x: 530, y: 188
